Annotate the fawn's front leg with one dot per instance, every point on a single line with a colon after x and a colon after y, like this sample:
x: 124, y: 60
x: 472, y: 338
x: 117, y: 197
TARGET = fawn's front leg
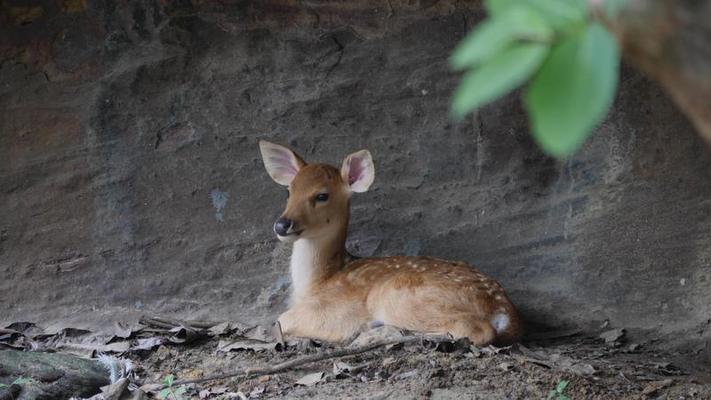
x: 321, y: 323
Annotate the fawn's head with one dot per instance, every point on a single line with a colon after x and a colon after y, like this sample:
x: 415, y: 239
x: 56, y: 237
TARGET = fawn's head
x: 318, y: 193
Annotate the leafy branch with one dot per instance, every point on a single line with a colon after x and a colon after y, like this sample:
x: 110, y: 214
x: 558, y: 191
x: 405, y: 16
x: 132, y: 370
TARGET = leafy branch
x: 569, y: 59
x: 171, y: 392
x: 559, y: 392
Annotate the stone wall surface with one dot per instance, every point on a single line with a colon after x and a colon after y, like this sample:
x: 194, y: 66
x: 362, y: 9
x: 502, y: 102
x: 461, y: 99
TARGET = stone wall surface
x: 130, y: 178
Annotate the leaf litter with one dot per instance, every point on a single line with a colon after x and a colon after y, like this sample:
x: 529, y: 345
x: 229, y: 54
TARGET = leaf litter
x: 597, y: 368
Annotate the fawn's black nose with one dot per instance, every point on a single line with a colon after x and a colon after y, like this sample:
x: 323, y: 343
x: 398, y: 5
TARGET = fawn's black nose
x: 282, y: 226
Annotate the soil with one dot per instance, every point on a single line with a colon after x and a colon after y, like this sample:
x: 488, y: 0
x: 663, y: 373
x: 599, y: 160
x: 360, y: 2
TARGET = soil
x: 593, y: 369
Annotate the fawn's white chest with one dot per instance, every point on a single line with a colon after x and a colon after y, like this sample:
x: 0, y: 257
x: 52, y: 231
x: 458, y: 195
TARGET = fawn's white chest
x: 303, y: 258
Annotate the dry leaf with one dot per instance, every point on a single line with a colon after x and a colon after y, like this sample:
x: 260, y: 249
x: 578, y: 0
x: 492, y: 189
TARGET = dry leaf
x: 122, y: 330
x: 505, y: 366
x: 570, y: 365
x: 452, y: 346
x: 341, y: 369
x: 311, y: 379
x: 406, y: 375
x: 206, y: 393
x: 245, y: 344
x: 613, y: 335
x: 185, y: 334
x: 73, y: 332
x: 654, y: 387
x: 151, y: 387
x: 77, y: 349
x: 117, y: 347
x: 389, y: 360
x: 223, y: 328
x: 492, y: 350
x: 148, y: 343
x: 28, y: 329
x: 257, y: 391
x: 115, y: 391
x: 259, y: 333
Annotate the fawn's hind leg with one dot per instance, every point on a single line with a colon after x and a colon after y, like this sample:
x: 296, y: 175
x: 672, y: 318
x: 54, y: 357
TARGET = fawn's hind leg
x: 479, y: 331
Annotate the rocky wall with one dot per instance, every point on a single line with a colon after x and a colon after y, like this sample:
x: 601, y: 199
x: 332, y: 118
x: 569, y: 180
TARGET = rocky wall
x: 130, y: 178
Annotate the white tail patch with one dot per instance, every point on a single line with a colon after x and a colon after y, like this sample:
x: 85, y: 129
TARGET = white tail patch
x: 500, y: 322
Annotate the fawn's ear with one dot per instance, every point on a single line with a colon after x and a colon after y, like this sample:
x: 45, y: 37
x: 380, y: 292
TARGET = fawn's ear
x: 358, y: 171
x: 281, y: 163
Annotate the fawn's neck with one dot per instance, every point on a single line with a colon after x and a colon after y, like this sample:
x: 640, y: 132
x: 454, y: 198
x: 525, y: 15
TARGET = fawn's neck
x: 314, y: 260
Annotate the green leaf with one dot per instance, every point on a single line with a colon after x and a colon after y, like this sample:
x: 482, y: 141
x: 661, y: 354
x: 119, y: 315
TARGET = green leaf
x: 180, y: 390
x: 497, y: 7
x: 562, y: 15
x: 561, y: 386
x: 495, y: 34
x: 163, y: 394
x: 573, y: 90
x: 21, y: 381
x: 613, y: 7
x: 2, y: 385
x: 168, y: 380
x: 498, y: 76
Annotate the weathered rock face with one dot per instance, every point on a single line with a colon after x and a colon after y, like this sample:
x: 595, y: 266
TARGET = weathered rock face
x: 131, y: 182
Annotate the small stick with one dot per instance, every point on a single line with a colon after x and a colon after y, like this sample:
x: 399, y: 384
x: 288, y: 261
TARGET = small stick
x: 169, y: 323
x: 254, y: 372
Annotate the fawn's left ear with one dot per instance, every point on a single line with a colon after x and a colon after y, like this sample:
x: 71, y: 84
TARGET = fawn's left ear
x: 358, y: 171
x: 281, y: 163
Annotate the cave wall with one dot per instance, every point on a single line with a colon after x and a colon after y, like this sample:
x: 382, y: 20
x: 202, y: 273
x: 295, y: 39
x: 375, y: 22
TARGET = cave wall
x: 130, y: 178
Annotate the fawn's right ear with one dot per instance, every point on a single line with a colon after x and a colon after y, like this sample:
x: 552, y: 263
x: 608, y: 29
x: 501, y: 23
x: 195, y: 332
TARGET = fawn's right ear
x: 281, y: 163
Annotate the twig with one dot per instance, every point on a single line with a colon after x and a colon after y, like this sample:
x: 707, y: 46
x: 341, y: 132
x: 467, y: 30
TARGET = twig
x: 156, y: 323
x: 552, y: 334
x: 169, y: 323
x: 254, y: 372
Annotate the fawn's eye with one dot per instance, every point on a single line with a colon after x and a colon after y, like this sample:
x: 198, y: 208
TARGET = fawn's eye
x: 321, y: 197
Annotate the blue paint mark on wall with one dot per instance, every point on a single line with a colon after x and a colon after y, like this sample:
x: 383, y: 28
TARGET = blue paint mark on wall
x: 219, y: 201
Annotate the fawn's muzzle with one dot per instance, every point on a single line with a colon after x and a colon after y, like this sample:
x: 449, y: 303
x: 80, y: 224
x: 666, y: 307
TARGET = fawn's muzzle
x: 283, y: 226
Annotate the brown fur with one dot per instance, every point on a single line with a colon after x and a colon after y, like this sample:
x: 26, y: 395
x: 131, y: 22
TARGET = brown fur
x: 419, y: 293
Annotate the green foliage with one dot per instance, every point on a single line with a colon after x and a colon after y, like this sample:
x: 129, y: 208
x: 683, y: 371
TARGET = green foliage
x: 571, y: 61
x: 168, y: 380
x: 573, y: 89
x: 503, y: 73
x: 612, y: 7
x: 558, y: 392
x: 493, y: 36
x: 171, y: 393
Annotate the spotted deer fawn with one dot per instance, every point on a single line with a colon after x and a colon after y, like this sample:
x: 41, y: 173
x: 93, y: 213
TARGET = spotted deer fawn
x: 334, y: 298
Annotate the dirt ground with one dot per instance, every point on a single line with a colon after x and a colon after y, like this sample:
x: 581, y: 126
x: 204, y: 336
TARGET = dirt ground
x: 593, y: 369
x: 559, y: 365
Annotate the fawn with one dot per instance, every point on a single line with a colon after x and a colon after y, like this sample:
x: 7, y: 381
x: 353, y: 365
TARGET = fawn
x: 335, y: 297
